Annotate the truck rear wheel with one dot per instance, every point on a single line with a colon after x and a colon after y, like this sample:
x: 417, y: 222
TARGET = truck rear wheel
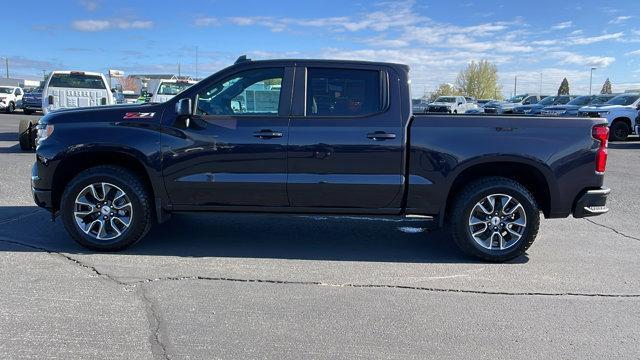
x: 106, y: 208
x: 494, y: 219
x: 24, y: 134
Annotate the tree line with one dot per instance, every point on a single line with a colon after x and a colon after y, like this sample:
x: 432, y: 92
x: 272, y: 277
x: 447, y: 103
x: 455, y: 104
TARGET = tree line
x: 480, y: 80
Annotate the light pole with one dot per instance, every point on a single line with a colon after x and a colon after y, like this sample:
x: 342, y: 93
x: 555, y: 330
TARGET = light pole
x: 6, y: 63
x: 540, y: 91
x: 591, y: 80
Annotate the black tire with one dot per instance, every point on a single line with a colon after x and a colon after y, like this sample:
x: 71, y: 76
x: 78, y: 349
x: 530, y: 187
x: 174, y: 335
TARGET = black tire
x: 11, y: 108
x: 27, y: 111
x: 467, y: 199
x: 135, y: 190
x: 619, y: 131
x: 24, y: 134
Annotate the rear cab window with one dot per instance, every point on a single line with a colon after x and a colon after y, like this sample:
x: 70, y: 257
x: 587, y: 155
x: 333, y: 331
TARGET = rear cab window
x: 77, y: 81
x: 343, y: 92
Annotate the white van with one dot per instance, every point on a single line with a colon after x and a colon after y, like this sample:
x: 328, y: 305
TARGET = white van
x: 165, y: 89
x: 75, y: 89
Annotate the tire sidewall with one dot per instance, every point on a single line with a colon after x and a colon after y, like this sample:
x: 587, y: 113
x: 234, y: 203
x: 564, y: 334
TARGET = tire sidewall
x: 619, y: 125
x: 530, y: 208
x: 128, y: 237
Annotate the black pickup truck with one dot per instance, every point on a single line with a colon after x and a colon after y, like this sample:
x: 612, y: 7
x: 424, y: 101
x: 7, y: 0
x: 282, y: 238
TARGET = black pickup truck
x: 315, y: 136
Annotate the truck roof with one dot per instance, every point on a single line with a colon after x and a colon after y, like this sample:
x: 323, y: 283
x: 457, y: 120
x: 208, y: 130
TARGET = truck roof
x: 76, y: 72
x: 290, y: 62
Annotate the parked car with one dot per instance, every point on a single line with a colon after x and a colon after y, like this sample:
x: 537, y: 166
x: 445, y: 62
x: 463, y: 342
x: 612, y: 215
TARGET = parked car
x: 10, y: 98
x: 306, y: 147
x: 75, y: 89
x: 449, y: 105
x: 571, y: 108
x: 165, y: 89
x: 32, y: 101
x: 620, y: 111
x: 506, y: 107
x: 534, y: 109
x: 419, y: 106
x: 638, y: 123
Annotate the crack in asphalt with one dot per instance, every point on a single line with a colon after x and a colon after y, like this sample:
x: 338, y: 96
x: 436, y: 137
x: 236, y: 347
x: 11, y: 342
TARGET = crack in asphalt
x: 386, y: 286
x: 613, y: 229
x: 158, y: 348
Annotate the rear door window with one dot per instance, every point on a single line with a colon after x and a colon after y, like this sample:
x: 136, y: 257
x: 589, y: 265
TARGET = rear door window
x: 77, y: 81
x: 343, y: 92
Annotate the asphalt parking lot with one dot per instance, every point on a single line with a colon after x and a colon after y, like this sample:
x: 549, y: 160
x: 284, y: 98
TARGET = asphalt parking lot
x: 264, y: 286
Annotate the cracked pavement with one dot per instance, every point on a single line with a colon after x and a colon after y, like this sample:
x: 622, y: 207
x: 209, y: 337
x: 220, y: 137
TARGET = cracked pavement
x: 266, y: 286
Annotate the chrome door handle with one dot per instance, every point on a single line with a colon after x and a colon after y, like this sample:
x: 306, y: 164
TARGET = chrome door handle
x: 381, y: 135
x: 267, y: 134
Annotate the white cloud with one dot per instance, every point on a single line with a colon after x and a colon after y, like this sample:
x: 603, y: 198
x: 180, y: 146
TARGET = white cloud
x: 207, y: 21
x: 620, y: 19
x: 567, y: 57
x: 562, y: 25
x: 90, y: 5
x: 102, y: 25
x: 636, y: 53
x: 594, y: 39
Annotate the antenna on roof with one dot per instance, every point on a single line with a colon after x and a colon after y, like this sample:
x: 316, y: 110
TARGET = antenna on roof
x: 241, y: 59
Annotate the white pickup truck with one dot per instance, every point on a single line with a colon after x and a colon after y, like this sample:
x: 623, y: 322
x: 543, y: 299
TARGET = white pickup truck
x: 165, y: 89
x: 75, y: 89
x: 10, y: 98
x: 621, y: 112
x: 450, y: 105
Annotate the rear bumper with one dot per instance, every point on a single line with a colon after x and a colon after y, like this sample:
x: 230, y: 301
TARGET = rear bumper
x: 591, y: 203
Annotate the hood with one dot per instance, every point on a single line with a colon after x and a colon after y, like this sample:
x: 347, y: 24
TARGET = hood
x: 442, y: 104
x: 110, y: 113
x: 562, y: 107
x: 604, y: 107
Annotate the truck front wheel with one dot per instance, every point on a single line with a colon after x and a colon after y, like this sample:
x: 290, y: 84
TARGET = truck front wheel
x: 494, y: 219
x: 106, y: 208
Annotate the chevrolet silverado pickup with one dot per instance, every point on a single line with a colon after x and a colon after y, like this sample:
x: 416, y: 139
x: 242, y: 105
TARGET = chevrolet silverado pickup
x: 315, y: 136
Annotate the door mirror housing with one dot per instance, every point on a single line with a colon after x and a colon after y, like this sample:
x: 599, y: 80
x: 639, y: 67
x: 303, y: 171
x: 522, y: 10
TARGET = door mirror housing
x: 183, y: 107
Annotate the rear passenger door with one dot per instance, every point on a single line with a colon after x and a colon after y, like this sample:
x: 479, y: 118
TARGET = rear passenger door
x: 345, y: 138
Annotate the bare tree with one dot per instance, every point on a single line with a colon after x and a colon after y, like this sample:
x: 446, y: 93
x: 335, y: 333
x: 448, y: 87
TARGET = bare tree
x: 129, y: 83
x: 606, y: 87
x: 564, y: 87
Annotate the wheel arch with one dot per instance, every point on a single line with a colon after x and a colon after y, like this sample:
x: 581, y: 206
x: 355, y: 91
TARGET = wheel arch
x: 535, y: 177
x: 624, y: 119
x: 73, y: 164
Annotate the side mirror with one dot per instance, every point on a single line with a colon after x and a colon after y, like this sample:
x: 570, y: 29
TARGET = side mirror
x: 459, y: 103
x: 183, y: 107
x: 638, y: 107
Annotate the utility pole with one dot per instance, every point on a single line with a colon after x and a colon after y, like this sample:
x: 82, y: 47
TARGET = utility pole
x: 540, y: 91
x: 178, y: 69
x: 515, y: 85
x: 196, y: 63
x: 591, y: 80
x: 6, y: 63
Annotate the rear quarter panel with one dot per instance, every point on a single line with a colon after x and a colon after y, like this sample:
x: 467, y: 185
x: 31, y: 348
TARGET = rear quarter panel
x: 442, y: 147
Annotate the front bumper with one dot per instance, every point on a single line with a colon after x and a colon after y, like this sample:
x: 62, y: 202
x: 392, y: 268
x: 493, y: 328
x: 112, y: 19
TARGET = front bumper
x: 591, y: 203
x: 41, y: 197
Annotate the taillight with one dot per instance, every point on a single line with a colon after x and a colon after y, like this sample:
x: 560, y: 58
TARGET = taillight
x: 601, y: 133
x: 103, y: 101
x: 50, y: 99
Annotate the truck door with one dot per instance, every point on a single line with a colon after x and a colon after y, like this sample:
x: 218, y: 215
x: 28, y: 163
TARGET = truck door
x: 345, y: 138
x: 232, y: 152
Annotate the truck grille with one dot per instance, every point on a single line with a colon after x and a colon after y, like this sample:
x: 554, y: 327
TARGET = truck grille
x: 437, y: 108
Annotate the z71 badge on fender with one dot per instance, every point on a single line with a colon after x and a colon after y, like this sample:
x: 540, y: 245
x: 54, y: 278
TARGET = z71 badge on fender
x: 139, y: 115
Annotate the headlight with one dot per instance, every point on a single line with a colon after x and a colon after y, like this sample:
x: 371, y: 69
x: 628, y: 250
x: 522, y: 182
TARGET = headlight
x: 44, y: 131
x: 604, y: 112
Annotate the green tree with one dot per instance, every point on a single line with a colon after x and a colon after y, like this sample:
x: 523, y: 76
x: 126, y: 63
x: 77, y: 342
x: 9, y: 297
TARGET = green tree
x: 564, y: 87
x: 444, y: 90
x: 606, y: 87
x: 479, y: 80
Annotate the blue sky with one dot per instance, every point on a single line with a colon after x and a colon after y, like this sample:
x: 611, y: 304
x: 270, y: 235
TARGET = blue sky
x: 436, y: 38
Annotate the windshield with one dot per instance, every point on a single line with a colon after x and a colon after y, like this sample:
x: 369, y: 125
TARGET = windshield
x: 77, y: 81
x: 446, y: 99
x: 6, y: 90
x: 517, y: 98
x: 172, y: 88
x: 549, y: 100
x: 623, y: 100
x: 580, y: 101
